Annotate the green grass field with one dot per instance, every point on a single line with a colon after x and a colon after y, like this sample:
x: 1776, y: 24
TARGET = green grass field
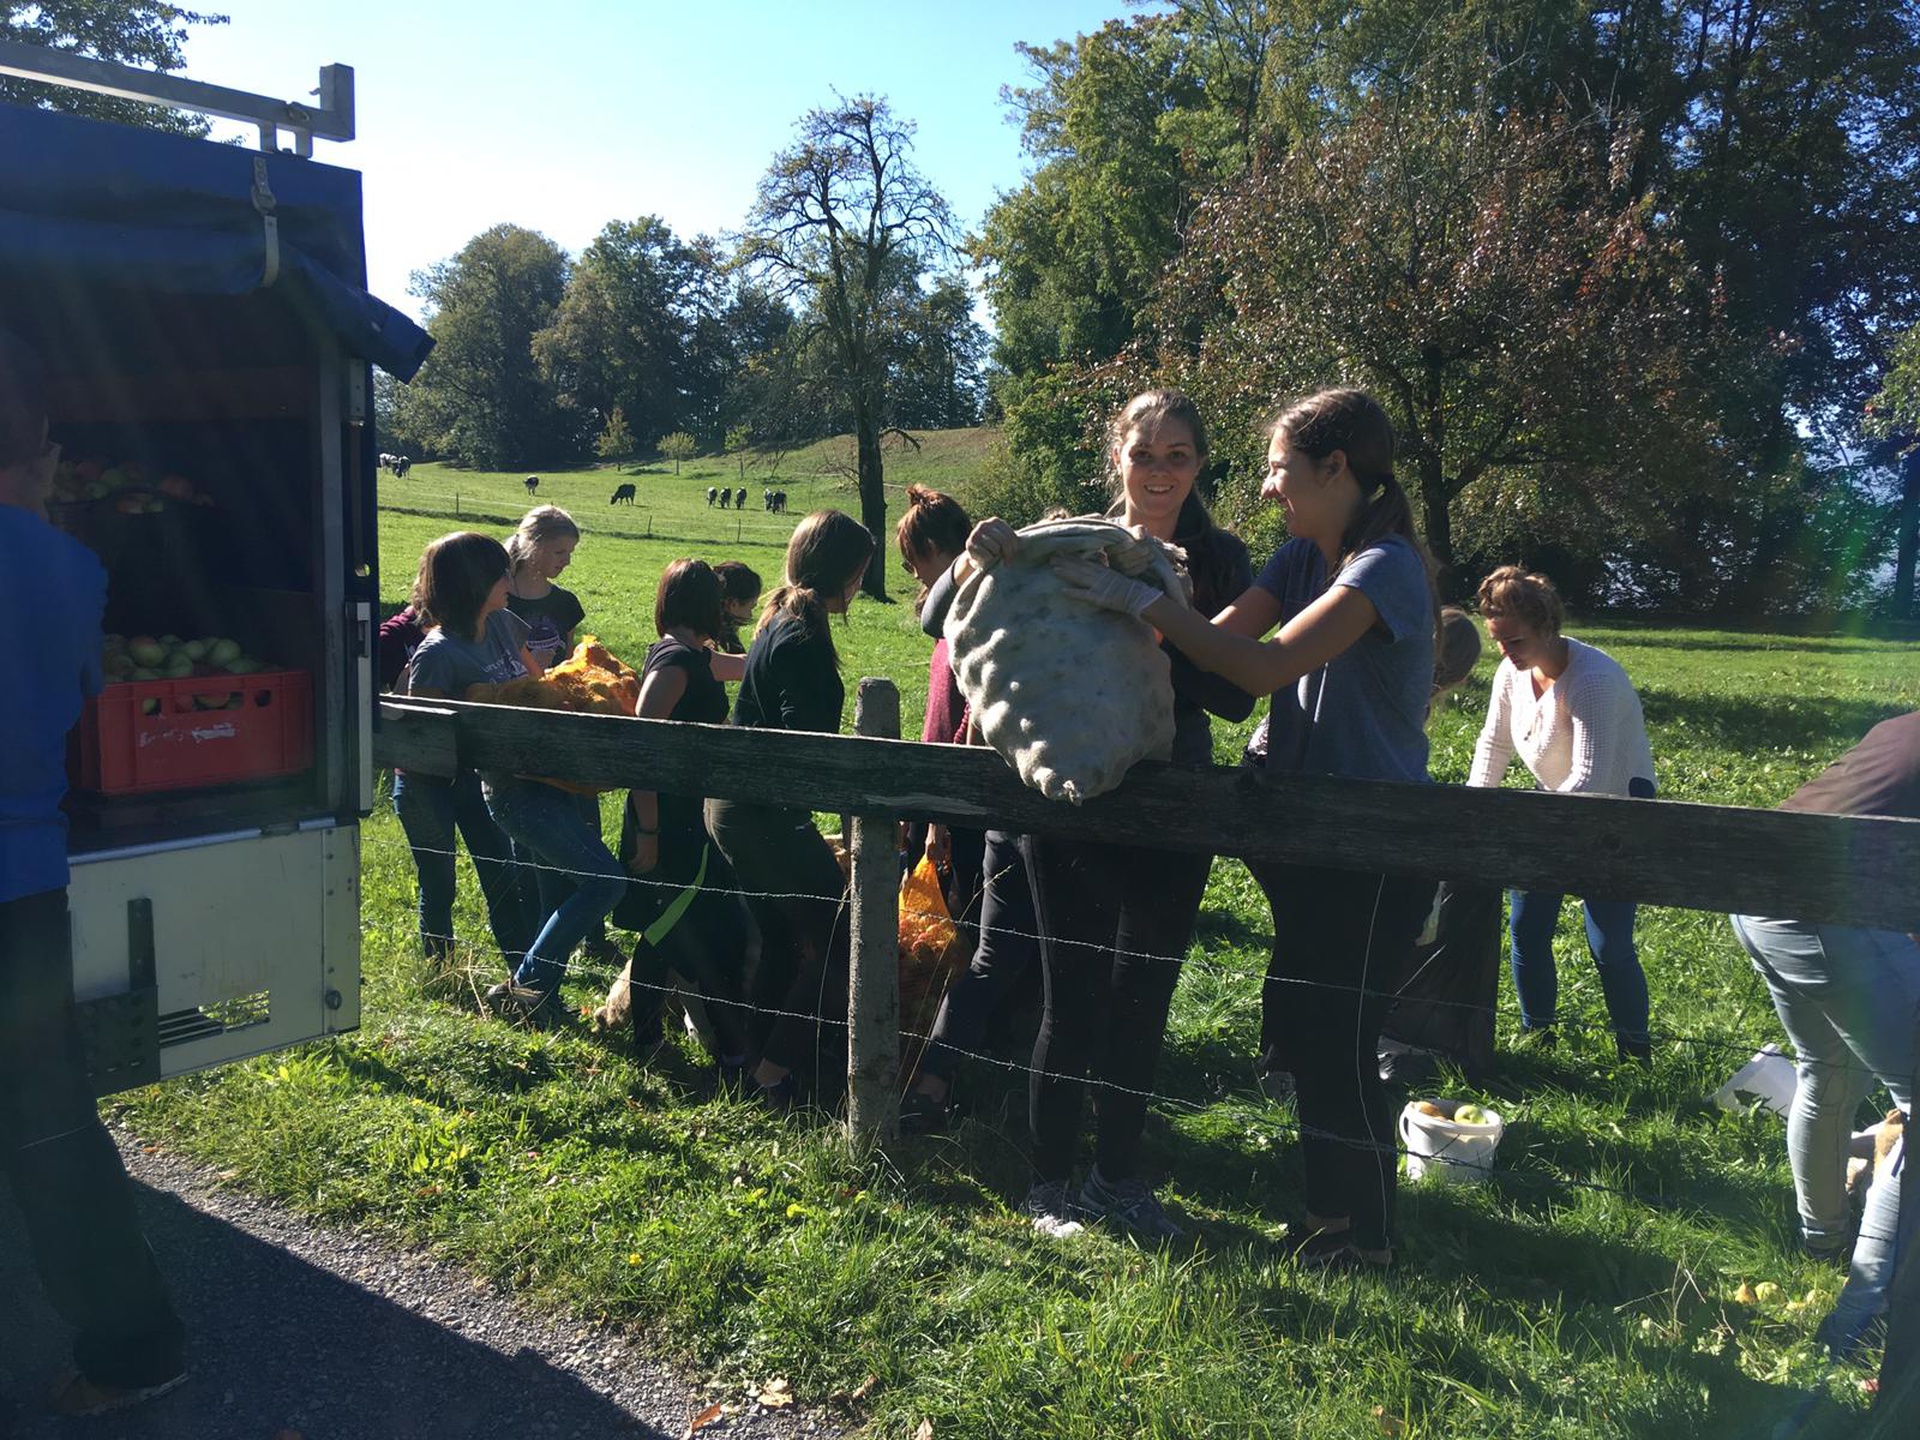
x: 1587, y: 1292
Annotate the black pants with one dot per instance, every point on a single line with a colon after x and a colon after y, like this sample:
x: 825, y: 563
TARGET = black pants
x: 1116, y: 922
x: 1007, y: 947
x: 800, y: 987
x: 73, y: 1191
x: 1342, y: 941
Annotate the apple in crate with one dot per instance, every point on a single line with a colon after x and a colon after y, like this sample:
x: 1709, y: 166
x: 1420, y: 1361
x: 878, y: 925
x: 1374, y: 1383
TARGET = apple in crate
x: 222, y: 651
x: 194, y: 649
x: 178, y: 666
x: 146, y: 650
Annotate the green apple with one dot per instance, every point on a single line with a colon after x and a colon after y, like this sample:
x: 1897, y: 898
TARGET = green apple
x: 223, y: 652
x: 146, y: 650
x: 178, y: 667
x: 1469, y: 1115
x: 194, y: 649
x: 245, y: 666
x: 145, y: 672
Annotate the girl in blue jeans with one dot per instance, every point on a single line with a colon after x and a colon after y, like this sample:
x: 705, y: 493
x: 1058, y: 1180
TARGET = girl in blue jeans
x: 462, y: 591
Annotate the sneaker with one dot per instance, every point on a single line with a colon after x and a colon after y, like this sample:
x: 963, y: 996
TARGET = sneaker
x: 1130, y: 1205
x: 78, y: 1397
x: 1051, y: 1210
x: 535, y: 1009
x: 782, y: 1097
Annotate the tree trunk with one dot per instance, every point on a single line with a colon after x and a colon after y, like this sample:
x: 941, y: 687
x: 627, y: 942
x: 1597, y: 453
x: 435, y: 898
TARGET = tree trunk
x: 1434, y: 519
x: 873, y: 494
x: 1908, y: 536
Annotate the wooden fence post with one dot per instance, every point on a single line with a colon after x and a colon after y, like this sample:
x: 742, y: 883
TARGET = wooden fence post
x: 873, y: 986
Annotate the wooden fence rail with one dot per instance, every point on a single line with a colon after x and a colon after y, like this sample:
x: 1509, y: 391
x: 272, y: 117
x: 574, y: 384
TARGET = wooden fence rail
x: 1852, y: 870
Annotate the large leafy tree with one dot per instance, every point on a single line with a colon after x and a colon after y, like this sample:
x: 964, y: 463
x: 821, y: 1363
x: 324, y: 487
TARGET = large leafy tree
x: 482, y: 398
x: 145, y: 34
x: 839, y: 216
x: 618, y: 339
x: 1499, y: 284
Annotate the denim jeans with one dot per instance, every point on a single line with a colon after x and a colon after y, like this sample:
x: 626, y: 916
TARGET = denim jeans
x: 1849, y: 1001
x: 549, y: 823
x: 430, y: 811
x: 1609, y: 939
x: 74, y: 1196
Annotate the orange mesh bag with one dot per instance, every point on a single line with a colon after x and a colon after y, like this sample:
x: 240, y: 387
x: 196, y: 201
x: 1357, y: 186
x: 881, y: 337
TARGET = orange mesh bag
x: 930, y: 956
x: 590, y: 681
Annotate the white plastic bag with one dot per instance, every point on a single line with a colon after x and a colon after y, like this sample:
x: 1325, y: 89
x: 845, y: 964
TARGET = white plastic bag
x: 1768, y: 1081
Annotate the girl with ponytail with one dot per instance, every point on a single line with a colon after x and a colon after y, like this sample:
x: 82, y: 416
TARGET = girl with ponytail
x: 792, y: 682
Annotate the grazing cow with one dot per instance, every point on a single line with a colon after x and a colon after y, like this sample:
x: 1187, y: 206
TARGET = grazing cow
x: 623, y: 493
x: 386, y: 461
x: 710, y: 495
x: 740, y: 501
x: 402, y: 465
x: 779, y: 502
x: 533, y: 483
x: 766, y: 500
x: 726, y: 497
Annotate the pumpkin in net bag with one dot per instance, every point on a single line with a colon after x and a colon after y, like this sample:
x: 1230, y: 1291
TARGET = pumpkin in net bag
x: 1069, y: 694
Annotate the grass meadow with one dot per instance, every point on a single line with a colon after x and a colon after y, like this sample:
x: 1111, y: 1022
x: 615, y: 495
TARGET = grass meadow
x: 1589, y: 1291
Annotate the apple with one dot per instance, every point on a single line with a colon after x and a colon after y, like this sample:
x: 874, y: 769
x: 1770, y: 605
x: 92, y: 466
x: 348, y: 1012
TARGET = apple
x: 146, y: 650
x: 1766, y: 1292
x: 223, y: 652
x: 89, y: 470
x: 1469, y: 1115
x: 194, y: 649
x: 245, y: 666
x: 178, y: 667
x: 95, y: 490
x: 236, y: 701
x: 146, y: 672
x: 116, y: 478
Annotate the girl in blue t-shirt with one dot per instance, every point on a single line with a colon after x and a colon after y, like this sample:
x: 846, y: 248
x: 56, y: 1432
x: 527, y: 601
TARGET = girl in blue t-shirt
x: 460, y: 593
x: 1350, y: 672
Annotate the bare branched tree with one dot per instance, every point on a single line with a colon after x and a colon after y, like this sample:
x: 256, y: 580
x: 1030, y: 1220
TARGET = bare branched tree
x: 842, y: 216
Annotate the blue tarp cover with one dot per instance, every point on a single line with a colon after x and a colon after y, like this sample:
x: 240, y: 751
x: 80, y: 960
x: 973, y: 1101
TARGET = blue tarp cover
x: 116, y: 205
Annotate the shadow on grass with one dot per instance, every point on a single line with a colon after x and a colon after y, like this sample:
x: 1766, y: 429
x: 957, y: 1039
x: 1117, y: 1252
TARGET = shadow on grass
x: 1747, y: 725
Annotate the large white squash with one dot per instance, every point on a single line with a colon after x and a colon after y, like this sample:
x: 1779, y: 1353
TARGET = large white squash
x: 1071, y: 695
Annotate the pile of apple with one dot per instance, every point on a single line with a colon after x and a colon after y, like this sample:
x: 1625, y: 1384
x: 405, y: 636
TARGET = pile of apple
x: 127, y: 658
x: 127, y: 484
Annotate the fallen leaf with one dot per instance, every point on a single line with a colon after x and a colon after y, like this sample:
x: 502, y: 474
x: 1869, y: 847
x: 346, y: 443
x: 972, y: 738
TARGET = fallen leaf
x: 1389, y: 1423
x: 775, y: 1394
x: 925, y: 1432
x: 705, y: 1418
x: 864, y: 1388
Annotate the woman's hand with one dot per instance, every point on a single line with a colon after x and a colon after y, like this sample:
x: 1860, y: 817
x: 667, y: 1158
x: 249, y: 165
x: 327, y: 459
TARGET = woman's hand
x: 646, y: 855
x: 1105, y: 587
x: 992, y: 541
x: 939, y: 846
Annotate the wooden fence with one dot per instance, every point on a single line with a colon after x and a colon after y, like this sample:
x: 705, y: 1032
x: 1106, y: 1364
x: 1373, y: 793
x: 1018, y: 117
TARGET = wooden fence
x: 1840, y: 869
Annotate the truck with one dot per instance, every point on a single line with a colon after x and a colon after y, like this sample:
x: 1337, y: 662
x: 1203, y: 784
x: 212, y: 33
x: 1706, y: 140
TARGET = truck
x: 203, y: 314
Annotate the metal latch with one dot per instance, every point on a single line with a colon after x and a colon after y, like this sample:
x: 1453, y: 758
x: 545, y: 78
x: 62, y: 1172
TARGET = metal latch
x: 263, y: 202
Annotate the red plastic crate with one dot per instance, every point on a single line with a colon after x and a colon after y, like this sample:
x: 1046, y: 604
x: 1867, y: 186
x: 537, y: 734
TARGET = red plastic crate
x: 258, y: 726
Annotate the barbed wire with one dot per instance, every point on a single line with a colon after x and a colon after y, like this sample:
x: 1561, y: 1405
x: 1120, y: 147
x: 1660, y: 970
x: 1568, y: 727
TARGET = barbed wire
x: 1746, y: 1049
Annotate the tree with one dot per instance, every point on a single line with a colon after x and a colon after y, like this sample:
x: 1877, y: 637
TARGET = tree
x: 1893, y: 416
x: 481, y: 398
x: 837, y: 217
x: 1518, y: 307
x: 679, y: 446
x: 618, y: 339
x: 152, y: 35
x: 616, y: 442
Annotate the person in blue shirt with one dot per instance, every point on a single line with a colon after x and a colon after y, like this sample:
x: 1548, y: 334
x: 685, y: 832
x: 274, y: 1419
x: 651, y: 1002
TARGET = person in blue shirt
x: 66, y: 1175
x: 1351, y: 673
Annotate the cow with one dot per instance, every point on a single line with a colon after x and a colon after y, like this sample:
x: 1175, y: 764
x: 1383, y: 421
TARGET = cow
x: 740, y: 501
x: 710, y: 494
x: 726, y: 497
x: 623, y: 493
x: 386, y: 461
x: 766, y: 500
x: 779, y: 502
x: 533, y: 483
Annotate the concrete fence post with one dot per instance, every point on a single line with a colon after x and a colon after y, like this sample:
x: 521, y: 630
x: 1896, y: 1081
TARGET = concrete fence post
x: 873, y: 988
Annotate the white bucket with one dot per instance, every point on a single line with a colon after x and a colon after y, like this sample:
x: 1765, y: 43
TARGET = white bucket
x: 1453, y: 1153
x: 1767, y: 1082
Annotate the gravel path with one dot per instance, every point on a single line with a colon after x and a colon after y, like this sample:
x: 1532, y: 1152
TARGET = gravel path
x: 306, y: 1333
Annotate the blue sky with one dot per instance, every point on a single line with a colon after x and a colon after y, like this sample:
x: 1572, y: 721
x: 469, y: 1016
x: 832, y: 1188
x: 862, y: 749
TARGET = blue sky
x: 564, y: 114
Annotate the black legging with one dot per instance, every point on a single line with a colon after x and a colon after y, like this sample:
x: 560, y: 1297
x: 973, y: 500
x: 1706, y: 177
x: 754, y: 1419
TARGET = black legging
x: 1002, y: 957
x: 805, y: 935
x: 1342, y: 941
x: 1116, y: 922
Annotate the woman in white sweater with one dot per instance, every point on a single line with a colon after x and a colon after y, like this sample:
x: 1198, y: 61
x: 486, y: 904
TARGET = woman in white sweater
x: 1572, y: 715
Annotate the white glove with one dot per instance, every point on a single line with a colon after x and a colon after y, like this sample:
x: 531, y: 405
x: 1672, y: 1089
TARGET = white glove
x: 992, y: 541
x: 1104, y: 586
